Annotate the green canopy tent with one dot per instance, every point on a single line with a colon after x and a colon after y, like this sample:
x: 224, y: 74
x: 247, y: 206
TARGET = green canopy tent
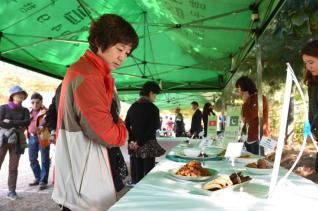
x: 190, y: 47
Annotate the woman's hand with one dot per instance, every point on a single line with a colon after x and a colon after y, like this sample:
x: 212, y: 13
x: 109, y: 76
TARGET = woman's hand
x: 133, y: 145
x: 6, y: 120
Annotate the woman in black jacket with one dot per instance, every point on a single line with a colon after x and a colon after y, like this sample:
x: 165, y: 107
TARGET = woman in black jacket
x: 16, y: 118
x: 142, y: 122
x: 310, y: 58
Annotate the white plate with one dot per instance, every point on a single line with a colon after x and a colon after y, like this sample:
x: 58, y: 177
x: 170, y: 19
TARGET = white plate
x: 182, y: 155
x: 259, y: 171
x: 213, y: 173
x: 251, y: 159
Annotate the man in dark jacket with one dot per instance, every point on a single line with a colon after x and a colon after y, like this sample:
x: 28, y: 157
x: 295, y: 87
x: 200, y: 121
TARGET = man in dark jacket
x: 196, y: 126
x: 142, y: 121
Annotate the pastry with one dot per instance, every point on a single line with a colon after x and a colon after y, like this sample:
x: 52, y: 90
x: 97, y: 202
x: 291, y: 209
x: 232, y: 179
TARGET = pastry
x: 193, y: 169
x: 218, y: 183
x: 252, y: 165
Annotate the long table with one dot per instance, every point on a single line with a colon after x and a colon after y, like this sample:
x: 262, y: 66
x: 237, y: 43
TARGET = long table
x: 161, y: 191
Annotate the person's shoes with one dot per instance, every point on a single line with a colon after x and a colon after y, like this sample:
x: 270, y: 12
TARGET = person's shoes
x: 12, y: 195
x: 130, y: 184
x: 43, y: 186
x: 35, y: 183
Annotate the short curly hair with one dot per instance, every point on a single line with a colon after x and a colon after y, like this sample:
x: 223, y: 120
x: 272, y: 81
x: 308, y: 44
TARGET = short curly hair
x: 246, y: 84
x: 109, y: 30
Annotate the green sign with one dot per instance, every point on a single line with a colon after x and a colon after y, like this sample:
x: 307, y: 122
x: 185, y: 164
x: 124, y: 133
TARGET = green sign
x: 232, y: 128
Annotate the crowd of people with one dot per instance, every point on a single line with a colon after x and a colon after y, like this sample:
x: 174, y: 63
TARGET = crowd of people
x: 21, y: 128
x: 84, y: 123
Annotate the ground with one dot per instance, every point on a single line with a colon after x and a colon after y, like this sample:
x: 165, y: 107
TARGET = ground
x: 306, y: 164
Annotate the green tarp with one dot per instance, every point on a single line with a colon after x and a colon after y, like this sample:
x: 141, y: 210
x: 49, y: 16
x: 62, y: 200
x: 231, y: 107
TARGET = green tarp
x: 189, y: 46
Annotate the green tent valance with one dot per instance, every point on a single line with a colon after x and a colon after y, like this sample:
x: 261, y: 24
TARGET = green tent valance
x: 185, y: 45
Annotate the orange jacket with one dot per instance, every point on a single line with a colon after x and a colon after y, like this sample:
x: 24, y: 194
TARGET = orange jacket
x: 85, y: 102
x: 250, y: 115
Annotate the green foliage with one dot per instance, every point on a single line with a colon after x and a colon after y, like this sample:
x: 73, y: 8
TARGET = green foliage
x: 298, y: 133
x: 293, y: 26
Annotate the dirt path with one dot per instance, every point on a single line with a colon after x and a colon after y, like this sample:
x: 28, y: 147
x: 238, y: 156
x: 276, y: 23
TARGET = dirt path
x: 306, y: 164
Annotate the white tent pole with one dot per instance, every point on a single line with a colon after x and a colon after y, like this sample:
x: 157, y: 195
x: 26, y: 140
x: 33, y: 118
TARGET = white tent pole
x: 282, y: 130
x: 259, y: 79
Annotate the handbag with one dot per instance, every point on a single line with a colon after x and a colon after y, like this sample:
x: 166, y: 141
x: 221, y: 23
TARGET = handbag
x: 44, y: 138
x: 116, y: 158
x: 150, y: 149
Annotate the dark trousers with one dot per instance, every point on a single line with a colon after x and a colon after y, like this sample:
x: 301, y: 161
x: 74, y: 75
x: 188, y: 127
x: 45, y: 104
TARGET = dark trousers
x: 40, y: 174
x: 180, y: 134
x: 139, y: 167
x: 13, y: 163
x: 252, y: 148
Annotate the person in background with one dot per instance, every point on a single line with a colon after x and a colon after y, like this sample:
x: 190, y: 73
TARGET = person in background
x: 179, y: 123
x: 14, y: 119
x: 142, y: 121
x: 38, y: 141
x: 196, y: 126
x: 207, y: 111
x: 85, y: 125
x: 249, y: 114
x: 160, y: 123
x: 51, y: 114
x: 310, y: 58
x: 221, y: 122
x: 170, y: 125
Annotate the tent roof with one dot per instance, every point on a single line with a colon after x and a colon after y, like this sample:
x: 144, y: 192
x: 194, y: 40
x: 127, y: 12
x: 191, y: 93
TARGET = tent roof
x: 187, y: 46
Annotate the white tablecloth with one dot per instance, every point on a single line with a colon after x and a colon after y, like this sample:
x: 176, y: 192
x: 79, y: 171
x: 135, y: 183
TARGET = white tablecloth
x: 160, y: 191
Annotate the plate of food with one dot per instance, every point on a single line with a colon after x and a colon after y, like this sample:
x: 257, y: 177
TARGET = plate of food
x: 225, y: 182
x: 260, y: 167
x: 195, y: 153
x: 193, y: 171
x: 248, y: 158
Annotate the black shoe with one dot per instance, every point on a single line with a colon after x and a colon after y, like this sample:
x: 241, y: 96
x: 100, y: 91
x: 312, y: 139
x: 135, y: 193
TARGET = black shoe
x: 35, y: 183
x: 42, y: 186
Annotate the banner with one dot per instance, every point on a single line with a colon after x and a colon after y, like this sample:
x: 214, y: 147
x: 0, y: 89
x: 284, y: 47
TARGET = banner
x: 212, y: 126
x: 232, y: 128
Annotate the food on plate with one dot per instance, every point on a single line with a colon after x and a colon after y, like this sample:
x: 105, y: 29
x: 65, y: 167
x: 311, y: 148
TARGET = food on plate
x: 193, y: 169
x: 252, y: 165
x: 245, y: 156
x: 224, y: 181
x: 271, y: 157
x: 218, y: 183
x: 238, y: 178
x: 260, y: 164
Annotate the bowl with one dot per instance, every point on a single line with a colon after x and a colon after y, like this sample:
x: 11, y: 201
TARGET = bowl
x: 191, y: 152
